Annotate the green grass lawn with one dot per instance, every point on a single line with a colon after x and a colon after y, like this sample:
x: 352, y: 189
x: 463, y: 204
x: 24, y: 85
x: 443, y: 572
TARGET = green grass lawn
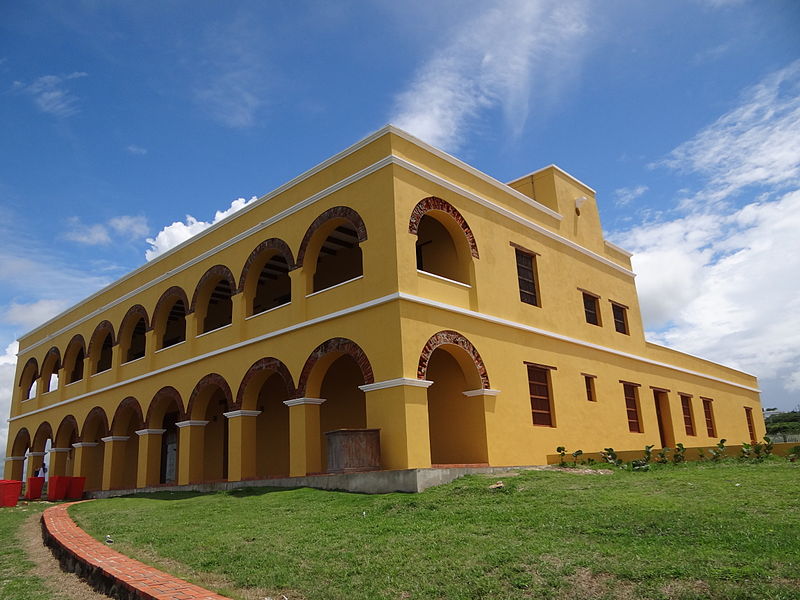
x: 17, y: 581
x: 728, y: 530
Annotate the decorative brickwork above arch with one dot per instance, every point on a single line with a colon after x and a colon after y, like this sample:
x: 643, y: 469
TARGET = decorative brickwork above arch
x: 276, y: 244
x: 22, y: 442
x: 433, y: 203
x: 135, y: 312
x: 217, y: 272
x: 337, y: 212
x: 99, y: 334
x: 451, y: 338
x: 53, y: 357
x: 210, y: 380
x: 96, y: 413
x: 165, y: 394
x: 66, y: 423
x: 78, y: 340
x: 341, y: 346
x: 128, y: 404
x: 266, y: 364
x: 31, y: 363
x: 43, y: 433
x: 167, y: 299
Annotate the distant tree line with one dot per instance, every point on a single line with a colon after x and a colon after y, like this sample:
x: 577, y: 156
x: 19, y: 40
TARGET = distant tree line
x: 781, y: 424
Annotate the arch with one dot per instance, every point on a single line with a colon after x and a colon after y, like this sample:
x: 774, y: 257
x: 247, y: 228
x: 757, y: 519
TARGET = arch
x: 68, y: 425
x: 96, y: 413
x: 324, y: 354
x: 95, y: 428
x: 101, y: 347
x: 166, y: 409
x: 262, y: 368
x: 211, y: 301
x: 432, y: 203
x: 126, y: 422
x: 19, y: 450
x: 51, y: 364
x: 62, y: 461
x: 452, y: 338
x: 43, y: 433
x: 135, y: 417
x: 338, y: 213
x: 270, y: 260
x: 278, y: 245
x: 212, y: 379
x: 30, y: 373
x: 157, y: 409
x: 132, y: 333
x: 74, y: 357
x: 22, y: 442
x: 169, y: 317
x: 210, y: 399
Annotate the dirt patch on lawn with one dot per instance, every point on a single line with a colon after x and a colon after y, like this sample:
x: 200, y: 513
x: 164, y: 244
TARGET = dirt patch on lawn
x: 573, y: 470
x: 586, y: 585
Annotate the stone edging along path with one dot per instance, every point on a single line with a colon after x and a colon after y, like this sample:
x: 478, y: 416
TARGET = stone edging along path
x: 107, y: 570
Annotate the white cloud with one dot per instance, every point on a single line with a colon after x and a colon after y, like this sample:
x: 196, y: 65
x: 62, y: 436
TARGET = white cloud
x: 720, y: 280
x: 494, y: 60
x: 99, y: 234
x: 32, y: 314
x: 137, y: 150
x: 8, y: 361
x: 626, y: 195
x: 50, y: 93
x: 177, y: 233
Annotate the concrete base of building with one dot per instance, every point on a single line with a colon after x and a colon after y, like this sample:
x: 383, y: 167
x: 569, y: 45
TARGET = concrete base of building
x: 371, y: 482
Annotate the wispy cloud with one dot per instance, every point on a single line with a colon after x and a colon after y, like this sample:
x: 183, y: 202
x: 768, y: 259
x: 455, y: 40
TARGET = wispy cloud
x: 100, y: 234
x: 136, y: 150
x: 495, y: 60
x: 51, y: 93
x: 180, y: 231
x: 718, y: 280
x: 626, y: 195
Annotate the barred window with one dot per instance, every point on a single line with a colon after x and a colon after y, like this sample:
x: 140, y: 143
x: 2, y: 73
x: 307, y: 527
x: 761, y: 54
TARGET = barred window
x: 688, y: 418
x: 632, y: 407
x: 591, y: 309
x: 526, y: 275
x: 539, y: 384
x: 708, y: 411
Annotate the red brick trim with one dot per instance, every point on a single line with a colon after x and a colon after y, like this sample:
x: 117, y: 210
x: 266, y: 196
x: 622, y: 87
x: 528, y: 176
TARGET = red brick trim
x: 43, y: 433
x: 167, y: 300
x: 99, y: 334
x: 168, y: 393
x: 451, y: 338
x: 213, y: 275
x: 25, y: 370
x: 341, y: 346
x: 266, y: 364
x: 212, y: 379
x: 132, y: 403
x: 107, y: 570
x: 337, y: 212
x: 276, y: 244
x: 67, y: 421
x: 135, y: 312
x: 433, y: 203
x: 96, y: 411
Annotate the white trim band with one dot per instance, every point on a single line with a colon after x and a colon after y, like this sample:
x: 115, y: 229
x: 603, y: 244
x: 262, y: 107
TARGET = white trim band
x: 336, y: 285
x: 447, y: 279
x: 301, y: 401
x: 191, y: 423
x: 142, y: 432
x: 241, y: 413
x: 85, y: 444
x: 481, y: 392
x: 115, y: 438
x: 10, y: 458
x: 57, y: 450
x: 390, y: 383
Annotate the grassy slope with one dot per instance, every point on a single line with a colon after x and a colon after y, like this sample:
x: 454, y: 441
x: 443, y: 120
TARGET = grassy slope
x: 16, y: 579
x: 682, y: 532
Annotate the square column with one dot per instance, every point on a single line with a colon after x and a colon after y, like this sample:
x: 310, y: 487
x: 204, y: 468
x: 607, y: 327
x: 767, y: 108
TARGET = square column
x: 13, y: 467
x: 58, y: 460
x: 82, y: 459
x: 399, y: 408
x: 241, y: 443
x: 148, y: 471
x: 191, y: 442
x: 113, y: 461
x: 491, y: 430
x: 305, y: 451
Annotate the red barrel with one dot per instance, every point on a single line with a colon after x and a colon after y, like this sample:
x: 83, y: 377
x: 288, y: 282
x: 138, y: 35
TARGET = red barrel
x: 75, y: 488
x: 9, y: 492
x: 34, y: 488
x: 57, y: 487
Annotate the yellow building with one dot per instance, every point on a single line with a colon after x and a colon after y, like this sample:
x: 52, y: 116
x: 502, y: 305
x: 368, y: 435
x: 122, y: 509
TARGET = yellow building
x: 391, y: 287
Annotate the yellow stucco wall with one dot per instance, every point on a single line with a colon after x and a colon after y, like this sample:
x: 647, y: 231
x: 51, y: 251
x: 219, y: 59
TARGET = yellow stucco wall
x: 388, y: 315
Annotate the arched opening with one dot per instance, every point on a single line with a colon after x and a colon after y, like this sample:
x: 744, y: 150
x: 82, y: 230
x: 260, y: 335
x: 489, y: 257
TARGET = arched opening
x: 457, y: 422
x: 95, y: 427
x: 29, y: 376
x: 127, y: 420
x: 50, y: 367
x: 42, y: 442
x: 101, y: 347
x: 210, y: 399
x: 62, y: 459
x: 132, y: 334
x: 334, y: 372
x: 169, y: 318
x: 331, y: 250
x: 265, y: 278
x: 213, y: 302
x: 445, y: 244
x: 73, y: 359
x: 164, y: 411
x: 265, y: 387
x: 20, y: 447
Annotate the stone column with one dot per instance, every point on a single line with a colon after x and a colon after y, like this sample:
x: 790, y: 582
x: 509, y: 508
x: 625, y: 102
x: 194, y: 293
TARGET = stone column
x: 82, y: 462
x: 191, y: 459
x: 491, y: 430
x: 149, y: 469
x: 13, y: 467
x: 305, y: 452
x: 241, y: 444
x: 58, y: 461
x: 113, y: 461
x: 399, y: 408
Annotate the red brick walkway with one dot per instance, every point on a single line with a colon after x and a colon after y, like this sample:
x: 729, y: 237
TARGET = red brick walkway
x: 137, y: 578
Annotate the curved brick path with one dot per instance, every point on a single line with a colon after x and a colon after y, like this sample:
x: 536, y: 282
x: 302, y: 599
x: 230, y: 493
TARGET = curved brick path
x: 108, y: 570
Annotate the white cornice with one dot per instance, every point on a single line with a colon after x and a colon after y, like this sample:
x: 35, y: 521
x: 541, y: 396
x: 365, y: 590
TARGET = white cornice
x: 58, y: 450
x: 191, y: 423
x: 141, y: 432
x: 301, y: 401
x: 481, y: 392
x: 241, y: 413
x: 115, y: 438
x: 557, y: 168
x: 390, y: 383
x: 85, y: 444
x: 11, y: 458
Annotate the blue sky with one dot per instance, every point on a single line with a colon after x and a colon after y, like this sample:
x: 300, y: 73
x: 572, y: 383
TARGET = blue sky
x: 128, y: 121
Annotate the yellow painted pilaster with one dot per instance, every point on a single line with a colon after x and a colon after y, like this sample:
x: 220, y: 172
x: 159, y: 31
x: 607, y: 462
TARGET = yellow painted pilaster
x: 81, y: 459
x: 148, y: 470
x: 149, y: 347
x: 191, y: 438
x: 305, y: 452
x: 58, y: 461
x: 113, y: 461
x: 13, y: 467
x: 493, y: 427
x: 241, y: 444
x: 399, y: 408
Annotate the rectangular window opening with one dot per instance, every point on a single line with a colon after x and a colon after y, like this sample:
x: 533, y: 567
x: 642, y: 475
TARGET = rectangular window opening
x: 748, y: 412
x: 632, y: 407
x: 620, y: 318
x: 591, y: 309
x: 708, y: 411
x: 688, y: 417
x: 526, y: 275
x: 591, y: 395
x: 539, y: 385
